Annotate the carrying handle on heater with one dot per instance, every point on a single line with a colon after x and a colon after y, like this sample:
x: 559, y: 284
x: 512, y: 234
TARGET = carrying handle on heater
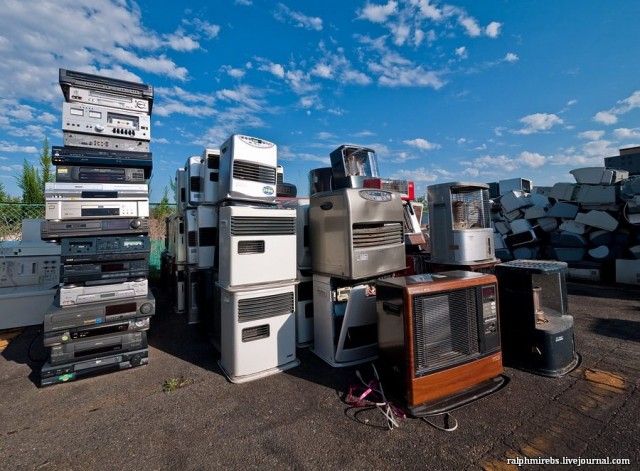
x: 326, y: 206
x: 393, y: 309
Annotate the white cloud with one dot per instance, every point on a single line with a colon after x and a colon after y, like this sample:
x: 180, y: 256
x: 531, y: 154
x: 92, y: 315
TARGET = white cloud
x: 209, y: 30
x: 179, y: 41
x: 511, y: 57
x: 605, y: 117
x: 275, y: 69
x: 323, y: 135
x: 533, y: 159
x: 298, y: 19
x: 493, y: 29
x: 426, y: 10
x: 591, y: 135
x: 322, y: 70
x: 11, y: 147
x: 378, y: 13
x: 500, y: 162
x: 626, y: 133
x: 233, y: 72
x: 538, y: 122
x: 461, y: 52
x: 422, y: 144
x: 418, y: 175
x: 632, y: 102
x: 470, y: 25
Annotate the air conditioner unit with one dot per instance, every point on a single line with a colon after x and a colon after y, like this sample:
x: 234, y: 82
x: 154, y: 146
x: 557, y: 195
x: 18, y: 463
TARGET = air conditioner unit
x: 209, y: 175
x: 351, y: 165
x: 356, y: 233
x: 460, y: 223
x: 247, y: 169
x: 207, y: 235
x: 258, y: 332
x: 193, y: 166
x: 320, y: 179
x: 344, y: 321
x: 180, y: 270
x: 182, y: 199
x: 179, y: 234
x: 192, y: 295
x: 191, y: 230
x: 438, y: 338
x: 256, y: 245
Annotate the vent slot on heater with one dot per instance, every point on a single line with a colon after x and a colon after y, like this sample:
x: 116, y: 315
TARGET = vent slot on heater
x: 265, y: 307
x: 254, y: 172
x: 195, y: 184
x: 257, y: 226
x: 445, y: 330
x: 255, y: 333
x: 373, y: 235
x: 192, y: 239
x: 250, y: 247
x: 208, y: 236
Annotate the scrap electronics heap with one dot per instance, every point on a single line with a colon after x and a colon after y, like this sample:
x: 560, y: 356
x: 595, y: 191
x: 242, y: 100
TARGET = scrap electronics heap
x: 362, y: 285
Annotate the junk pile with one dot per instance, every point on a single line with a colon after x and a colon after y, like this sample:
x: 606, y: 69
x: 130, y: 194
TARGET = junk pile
x: 592, y: 224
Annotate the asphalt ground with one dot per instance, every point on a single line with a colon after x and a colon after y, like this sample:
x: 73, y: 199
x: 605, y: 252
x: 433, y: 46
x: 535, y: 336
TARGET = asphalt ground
x: 298, y: 419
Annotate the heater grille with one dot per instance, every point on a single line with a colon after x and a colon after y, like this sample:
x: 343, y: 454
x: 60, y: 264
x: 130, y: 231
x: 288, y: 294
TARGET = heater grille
x: 445, y: 330
x: 195, y: 184
x: 192, y: 239
x: 373, y: 235
x: 213, y: 162
x: 255, y: 226
x: 254, y: 172
x: 265, y: 307
x: 250, y: 247
x: 255, y: 333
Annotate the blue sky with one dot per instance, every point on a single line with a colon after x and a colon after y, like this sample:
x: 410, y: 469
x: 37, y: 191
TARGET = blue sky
x: 443, y: 91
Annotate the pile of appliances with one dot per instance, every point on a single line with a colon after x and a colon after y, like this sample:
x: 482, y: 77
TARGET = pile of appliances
x: 97, y: 212
x: 229, y: 257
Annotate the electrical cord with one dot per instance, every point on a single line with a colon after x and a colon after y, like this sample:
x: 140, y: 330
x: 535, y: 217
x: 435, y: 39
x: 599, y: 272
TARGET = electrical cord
x: 33, y: 339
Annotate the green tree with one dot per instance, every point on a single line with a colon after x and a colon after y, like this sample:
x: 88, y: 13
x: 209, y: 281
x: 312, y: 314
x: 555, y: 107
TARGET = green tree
x: 163, y: 208
x: 32, y: 180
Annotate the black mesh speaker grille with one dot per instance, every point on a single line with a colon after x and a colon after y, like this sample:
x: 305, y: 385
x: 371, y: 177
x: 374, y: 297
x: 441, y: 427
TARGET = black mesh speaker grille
x: 250, y: 246
x: 192, y: 239
x: 264, y: 307
x: 373, y: 235
x: 254, y: 172
x: 251, y: 226
x: 445, y: 330
x: 255, y: 333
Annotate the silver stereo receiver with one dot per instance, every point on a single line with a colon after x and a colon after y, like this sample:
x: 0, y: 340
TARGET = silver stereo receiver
x: 80, y: 333
x: 60, y: 318
x: 102, y: 158
x: 87, y: 174
x: 104, y: 142
x: 72, y: 295
x: 88, y: 227
x: 90, y: 208
x: 56, y: 374
x: 95, y: 347
x: 105, y: 270
x: 84, y: 249
x: 93, y: 119
x: 71, y: 78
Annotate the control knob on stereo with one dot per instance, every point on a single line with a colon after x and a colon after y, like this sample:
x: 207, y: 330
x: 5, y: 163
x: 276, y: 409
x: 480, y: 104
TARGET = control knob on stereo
x: 99, y: 127
x: 146, y: 308
x: 135, y: 360
x: 135, y: 224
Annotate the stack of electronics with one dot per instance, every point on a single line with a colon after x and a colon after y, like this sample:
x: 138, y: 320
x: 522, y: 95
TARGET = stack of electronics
x: 232, y: 244
x: 97, y: 210
x: 356, y: 237
x: 29, y: 276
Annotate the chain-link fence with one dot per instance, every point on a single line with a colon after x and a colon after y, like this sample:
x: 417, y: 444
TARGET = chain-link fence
x: 12, y: 215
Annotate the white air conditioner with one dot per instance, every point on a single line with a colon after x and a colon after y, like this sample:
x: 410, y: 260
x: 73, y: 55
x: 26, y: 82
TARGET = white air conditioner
x: 192, y: 298
x: 247, y: 169
x: 258, y: 332
x: 179, y: 298
x: 191, y: 229
x: 209, y: 175
x: 179, y: 239
x: 181, y: 191
x: 304, y: 310
x: 193, y: 166
x: 207, y: 235
x: 256, y: 245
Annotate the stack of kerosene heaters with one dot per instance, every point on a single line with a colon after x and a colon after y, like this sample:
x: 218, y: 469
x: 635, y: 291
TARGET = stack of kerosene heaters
x: 98, y: 210
x: 231, y: 257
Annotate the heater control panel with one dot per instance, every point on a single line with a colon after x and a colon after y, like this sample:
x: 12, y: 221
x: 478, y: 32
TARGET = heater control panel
x: 490, y: 333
